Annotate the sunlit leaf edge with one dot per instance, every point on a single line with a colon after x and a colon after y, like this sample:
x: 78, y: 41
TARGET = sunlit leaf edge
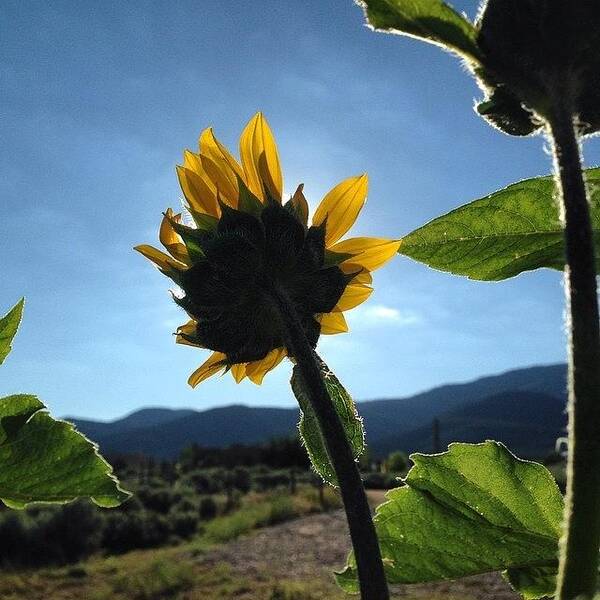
x: 109, y: 500
x: 408, y: 245
x: 9, y: 325
x: 532, y: 589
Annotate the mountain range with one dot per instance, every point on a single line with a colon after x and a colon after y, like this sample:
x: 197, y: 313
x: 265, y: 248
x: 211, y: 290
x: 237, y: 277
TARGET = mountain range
x: 523, y: 408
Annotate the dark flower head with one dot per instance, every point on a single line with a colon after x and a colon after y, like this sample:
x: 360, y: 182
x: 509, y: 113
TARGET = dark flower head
x: 247, y: 247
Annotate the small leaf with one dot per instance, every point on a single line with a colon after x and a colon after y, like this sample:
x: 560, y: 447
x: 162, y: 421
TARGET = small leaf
x: 298, y: 206
x: 433, y: 21
x: 247, y: 201
x: 310, y: 430
x: 194, y: 240
x: 332, y: 259
x: 204, y: 222
x: 8, y: 328
x: 473, y: 509
x: 513, y: 230
x: 45, y: 460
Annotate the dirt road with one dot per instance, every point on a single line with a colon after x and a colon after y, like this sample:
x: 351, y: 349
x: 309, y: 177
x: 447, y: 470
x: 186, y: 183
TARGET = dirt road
x: 311, y: 547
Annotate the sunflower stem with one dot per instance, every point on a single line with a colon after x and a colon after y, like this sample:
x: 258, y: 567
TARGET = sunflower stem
x: 581, y: 536
x: 371, y: 576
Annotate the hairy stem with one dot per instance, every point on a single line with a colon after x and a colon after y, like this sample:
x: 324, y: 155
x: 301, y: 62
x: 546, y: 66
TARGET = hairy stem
x: 373, y: 585
x: 581, y: 538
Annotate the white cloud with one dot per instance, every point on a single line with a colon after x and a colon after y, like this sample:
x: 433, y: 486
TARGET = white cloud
x: 172, y: 324
x: 380, y: 314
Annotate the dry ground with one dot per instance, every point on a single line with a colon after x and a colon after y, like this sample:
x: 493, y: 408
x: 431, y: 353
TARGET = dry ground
x: 290, y: 561
x: 311, y: 547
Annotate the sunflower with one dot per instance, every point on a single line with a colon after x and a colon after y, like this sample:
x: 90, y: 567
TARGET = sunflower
x: 241, y: 243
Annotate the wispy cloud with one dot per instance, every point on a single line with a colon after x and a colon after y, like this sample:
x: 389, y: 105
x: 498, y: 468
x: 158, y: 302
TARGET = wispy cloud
x: 380, y: 314
x: 172, y: 324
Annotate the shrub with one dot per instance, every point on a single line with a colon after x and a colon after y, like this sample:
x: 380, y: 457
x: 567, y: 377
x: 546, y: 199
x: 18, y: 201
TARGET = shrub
x: 50, y: 535
x: 14, y: 536
x: 185, y: 505
x: 240, y: 479
x: 271, y: 480
x: 127, y: 531
x: 160, y: 579
x: 281, y: 509
x: 76, y: 530
x: 132, y: 504
x: 158, y: 499
x: 184, y: 524
x: 207, y: 509
x: 122, y: 532
x: 380, y: 481
x: 396, y: 462
x: 156, y: 530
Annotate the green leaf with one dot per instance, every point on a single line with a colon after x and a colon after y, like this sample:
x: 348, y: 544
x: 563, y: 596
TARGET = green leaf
x: 247, y: 201
x: 194, y: 240
x: 510, y: 231
x: 8, y: 328
x: 473, y: 509
x: 503, y: 110
x: 46, y: 460
x: 204, y: 222
x: 534, y: 582
x: 331, y: 258
x: 310, y: 430
x: 433, y: 21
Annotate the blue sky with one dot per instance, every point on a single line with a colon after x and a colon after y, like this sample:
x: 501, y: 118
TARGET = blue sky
x: 100, y: 99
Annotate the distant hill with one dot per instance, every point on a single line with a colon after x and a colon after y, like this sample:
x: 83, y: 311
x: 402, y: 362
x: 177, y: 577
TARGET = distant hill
x: 523, y: 408
x: 145, y: 417
x: 527, y: 422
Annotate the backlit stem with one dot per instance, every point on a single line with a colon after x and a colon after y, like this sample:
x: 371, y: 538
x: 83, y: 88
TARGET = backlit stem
x: 373, y: 585
x: 581, y: 539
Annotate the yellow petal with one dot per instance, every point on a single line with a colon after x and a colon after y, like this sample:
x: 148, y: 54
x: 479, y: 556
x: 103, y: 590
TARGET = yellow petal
x: 353, y: 296
x: 181, y: 340
x: 370, y: 253
x: 239, y: 371
x: 215, y: 151
x: 211, y: 366
x: 163, y: 261
x: 188, y: 329
x: 220, y: 166
x: 257, y: 369
x: 298, y: 201
x: 199, y: 191
x: 360, y: 274
x: 223, y: 179
x: 192, y: 162
x: 332, y: 323
x: 340, y: 207
x: 170, y: 239
x: 260, y: 158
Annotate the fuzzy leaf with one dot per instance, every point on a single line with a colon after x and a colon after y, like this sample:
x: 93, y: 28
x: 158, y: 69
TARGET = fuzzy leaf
x: 510, y: 231
x: 310, y: 430
x: 503, y: 110
x: 473, y: 509
x: 433, y: 21
x: 45, y: 460
x: 8, y: 328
